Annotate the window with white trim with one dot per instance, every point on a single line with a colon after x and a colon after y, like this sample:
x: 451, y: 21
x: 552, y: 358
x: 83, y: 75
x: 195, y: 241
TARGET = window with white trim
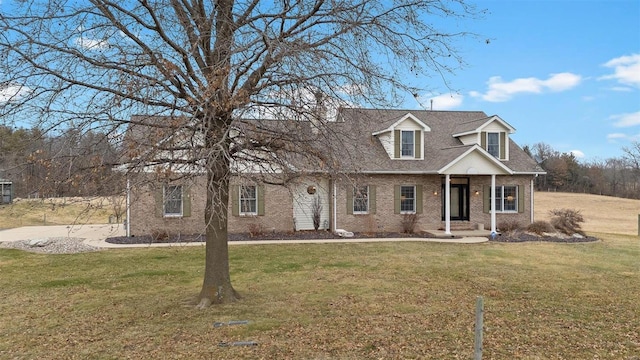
x: 248, y: 200
x: 506, y: 198
x: 361, y: 200
x: 407, y: 199
x: 493, y: 143
x: 407, y: 143
x: 172, y: 200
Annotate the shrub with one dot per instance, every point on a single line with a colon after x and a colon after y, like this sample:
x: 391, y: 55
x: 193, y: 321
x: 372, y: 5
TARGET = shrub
x: 316, y: 210
x: 509, y: 226
x: 409, y: 222
x: 540, y: 227
x: 372, y: 224
x: 159, y: 235
x: 567, y: 221
x: 255, y: 229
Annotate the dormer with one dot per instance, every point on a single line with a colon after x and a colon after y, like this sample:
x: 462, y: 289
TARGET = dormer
x: 404, y: 139
x: 492, y: 134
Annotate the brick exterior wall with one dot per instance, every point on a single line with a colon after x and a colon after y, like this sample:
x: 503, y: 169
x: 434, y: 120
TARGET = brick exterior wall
x: 278, y: 213
x: 144, y: 213
x: 279, y: 207
x: 385, y: 220
x: 146, y: 220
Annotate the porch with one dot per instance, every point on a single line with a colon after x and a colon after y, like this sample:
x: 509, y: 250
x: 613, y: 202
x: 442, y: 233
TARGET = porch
x: 442, y: 234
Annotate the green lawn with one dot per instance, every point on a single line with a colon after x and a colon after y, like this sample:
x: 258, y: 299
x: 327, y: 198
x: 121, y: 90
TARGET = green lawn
x: 338, y: 301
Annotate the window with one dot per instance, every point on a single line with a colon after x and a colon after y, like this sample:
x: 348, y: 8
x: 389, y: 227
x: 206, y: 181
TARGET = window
x: 361, y: 200
x: 172, y: 200
x: 248, y: 200
x: 5, y: 193
x: 407, y: 199
x: 407, y: 143
x: 506, y: 198
x: 493, y: 143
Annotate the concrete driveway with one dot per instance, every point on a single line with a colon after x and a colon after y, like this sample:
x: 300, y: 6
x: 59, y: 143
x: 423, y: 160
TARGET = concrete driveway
x: 95, y: 235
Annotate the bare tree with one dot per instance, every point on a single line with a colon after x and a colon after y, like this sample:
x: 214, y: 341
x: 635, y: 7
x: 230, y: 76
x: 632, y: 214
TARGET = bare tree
x: 203, y: 65
x: 632, y: 156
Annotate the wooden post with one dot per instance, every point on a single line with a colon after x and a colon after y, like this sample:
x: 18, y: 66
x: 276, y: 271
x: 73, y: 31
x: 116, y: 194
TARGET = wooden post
x: 477, y: 351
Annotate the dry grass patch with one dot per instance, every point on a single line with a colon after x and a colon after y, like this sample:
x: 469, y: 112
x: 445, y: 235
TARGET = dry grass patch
x: 59, y: 211
x: 331, y: 301
x: 601, y: 213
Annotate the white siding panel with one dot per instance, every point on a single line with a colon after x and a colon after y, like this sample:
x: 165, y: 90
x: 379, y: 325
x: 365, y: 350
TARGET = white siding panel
x: 475, y: 164
x: 303, y: 201
x: 470, y: 139
x: 386, y: 140
x: 494, y: 127
x: 408, y: 124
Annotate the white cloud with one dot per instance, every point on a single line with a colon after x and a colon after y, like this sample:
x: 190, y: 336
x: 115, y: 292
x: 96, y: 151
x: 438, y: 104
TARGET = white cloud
x: 613, y: 138
x: 13, y: 92
x: 442, y: 102
x: 621, y: 89
x: 577, y: 153
x: 626, y: 120
x: 626, y: 70
x: 499, y: 90
x: 91, y: 44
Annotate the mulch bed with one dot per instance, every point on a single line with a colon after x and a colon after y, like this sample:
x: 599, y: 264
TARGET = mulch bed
x: 525, y: 237
x: 309, y: 235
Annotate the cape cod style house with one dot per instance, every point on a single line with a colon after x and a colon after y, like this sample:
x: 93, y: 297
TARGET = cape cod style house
x: 453, y: 169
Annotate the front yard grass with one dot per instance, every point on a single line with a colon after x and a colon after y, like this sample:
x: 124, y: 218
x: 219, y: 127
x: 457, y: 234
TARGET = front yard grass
x: 337, y: 301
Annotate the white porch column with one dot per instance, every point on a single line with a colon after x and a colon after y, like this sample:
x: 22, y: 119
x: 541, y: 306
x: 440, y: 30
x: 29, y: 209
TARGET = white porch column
x: 493, y: 203
x: 447, y: 204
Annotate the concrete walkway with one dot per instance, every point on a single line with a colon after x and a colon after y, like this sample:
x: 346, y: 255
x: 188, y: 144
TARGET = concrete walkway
x: 95, y: 235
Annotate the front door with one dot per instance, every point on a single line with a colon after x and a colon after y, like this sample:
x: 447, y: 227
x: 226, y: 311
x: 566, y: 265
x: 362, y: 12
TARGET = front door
x: 311, y: 200
x: 459, y: 200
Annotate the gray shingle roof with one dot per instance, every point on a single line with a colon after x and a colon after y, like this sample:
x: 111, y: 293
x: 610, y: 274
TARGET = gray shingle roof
x: 363, y: 152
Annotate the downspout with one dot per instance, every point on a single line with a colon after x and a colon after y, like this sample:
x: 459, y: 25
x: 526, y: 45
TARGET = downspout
x: 128, y: 226
x: 335, y: 212
x: 532, y: 218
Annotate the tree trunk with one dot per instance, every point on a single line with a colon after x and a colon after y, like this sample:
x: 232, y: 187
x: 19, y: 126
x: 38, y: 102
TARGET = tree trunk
x: 217, y: 288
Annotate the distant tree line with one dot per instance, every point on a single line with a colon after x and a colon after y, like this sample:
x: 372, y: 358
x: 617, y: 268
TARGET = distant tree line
x: 619, y: 176
x: 72, y: 163
x: 79, y: 163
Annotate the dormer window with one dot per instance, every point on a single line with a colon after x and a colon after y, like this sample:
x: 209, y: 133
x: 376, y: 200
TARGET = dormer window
x: 493, y: 143
x: 408, y: 143
x: 404, y: 139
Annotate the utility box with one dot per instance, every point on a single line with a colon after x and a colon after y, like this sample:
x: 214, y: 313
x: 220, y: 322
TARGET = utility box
x: 6, y: 192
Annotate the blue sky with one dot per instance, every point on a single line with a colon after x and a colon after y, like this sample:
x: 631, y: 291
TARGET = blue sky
x: 566, y: 73
x: 562, y: 72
